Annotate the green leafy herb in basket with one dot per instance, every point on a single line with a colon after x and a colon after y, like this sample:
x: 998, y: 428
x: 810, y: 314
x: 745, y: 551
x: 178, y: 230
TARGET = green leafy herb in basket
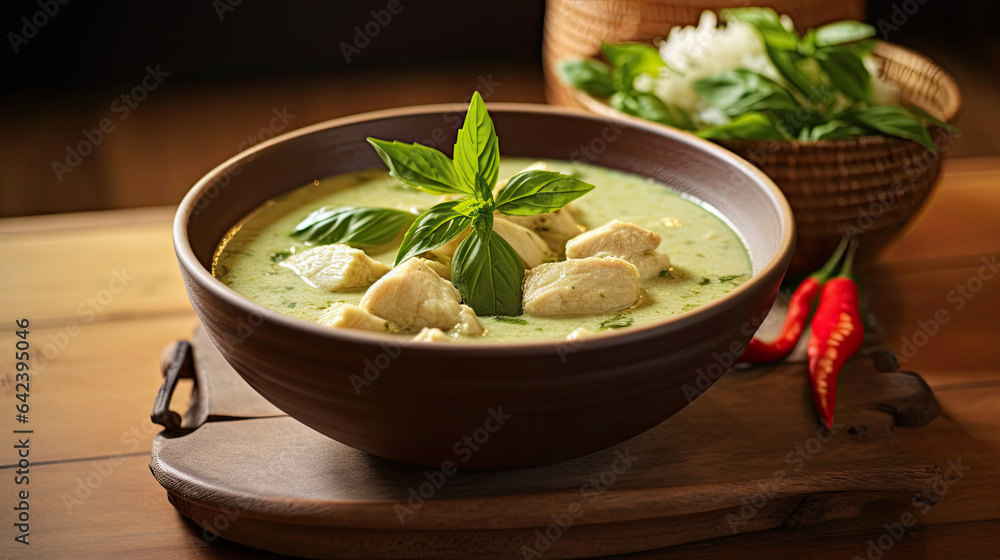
x: 755, y: 79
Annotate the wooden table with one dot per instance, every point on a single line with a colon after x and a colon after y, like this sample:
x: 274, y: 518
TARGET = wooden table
x: 104, y: 296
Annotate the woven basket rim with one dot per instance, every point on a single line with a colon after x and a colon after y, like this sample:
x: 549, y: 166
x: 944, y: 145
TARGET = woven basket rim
x: 883, y: 49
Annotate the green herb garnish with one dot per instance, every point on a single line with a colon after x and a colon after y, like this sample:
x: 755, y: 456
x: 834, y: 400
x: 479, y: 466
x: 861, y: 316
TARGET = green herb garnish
x: 705, y: 281
x: 280, y: 256
x: 825, y: 90
x: 485, y: 268
x: 619, y: 321
x: 355, y: 226
x: 511, y: 320
x: 731, y: 277
x: 666, y: 274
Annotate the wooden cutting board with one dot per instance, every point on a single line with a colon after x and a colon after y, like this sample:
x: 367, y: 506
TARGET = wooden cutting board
x: 747, y: 455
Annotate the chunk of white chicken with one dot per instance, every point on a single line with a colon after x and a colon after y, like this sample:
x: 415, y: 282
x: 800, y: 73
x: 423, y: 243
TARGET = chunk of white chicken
x: 526, y: 243
x: 412, y: 296
x: 447, y: 251
x: 431, y: 335
x: 587, y: 286
x: 438, y: 263
x: 336, y: 267
x: 624, y: 241
x: 555, y: 228
x: 348, y: 316
x: 580, y: 334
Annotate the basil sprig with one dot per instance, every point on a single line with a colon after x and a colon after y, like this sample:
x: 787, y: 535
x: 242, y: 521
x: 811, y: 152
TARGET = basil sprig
x: 360, y: 227
x: 627, y: 61
x: 485, y: 269
x: 825, y: 90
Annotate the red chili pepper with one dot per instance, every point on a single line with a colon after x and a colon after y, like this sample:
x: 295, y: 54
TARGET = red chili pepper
x: 800, y: 305
x: 837, y: 334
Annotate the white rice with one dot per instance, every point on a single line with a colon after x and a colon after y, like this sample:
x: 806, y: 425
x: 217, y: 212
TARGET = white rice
x: 692, y: 53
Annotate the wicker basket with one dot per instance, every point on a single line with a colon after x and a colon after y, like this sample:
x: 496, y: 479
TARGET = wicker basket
x: 575, y: 28
x: 870, y: 185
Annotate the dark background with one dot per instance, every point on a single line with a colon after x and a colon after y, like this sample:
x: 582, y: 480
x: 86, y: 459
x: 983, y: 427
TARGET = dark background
x: 62, y: 80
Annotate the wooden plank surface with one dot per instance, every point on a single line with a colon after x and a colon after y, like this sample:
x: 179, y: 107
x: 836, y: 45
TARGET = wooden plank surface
x: 100, y: 386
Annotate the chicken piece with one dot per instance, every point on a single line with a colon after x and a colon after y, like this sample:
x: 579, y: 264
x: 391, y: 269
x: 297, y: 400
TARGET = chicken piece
x: 537, y: 166
x: 412, y: 296
x: 447, y: 251
x: 347, y: 316
x: 431, y: 335
x: 580, y: 334
x: 336, y: 267
x: 624, y: 241
x: 439, y: 264
x: 526, y: 243
x: 468, y: 323
x: 555, y: 228
x: 587, y: 286
x: 650, y: 263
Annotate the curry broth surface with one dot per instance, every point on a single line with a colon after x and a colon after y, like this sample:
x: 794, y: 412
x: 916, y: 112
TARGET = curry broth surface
x: 708, y: 259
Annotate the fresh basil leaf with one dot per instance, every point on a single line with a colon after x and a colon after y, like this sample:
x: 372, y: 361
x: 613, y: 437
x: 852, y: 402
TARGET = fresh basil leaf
x: 590, y: 76
x: 741, y: 91
x: 846, y: 71
x: 472, y: 207
x: 477, y: 151
x: 893, y: 121
x: 807, y: 45
x: 768, y: 24
x: 833, y: 130
x: 354, y: 226
x: 487, y: 272
x: 930, y: 120
x: 538, y: 192
x: 619, y: 321
x: 787, y: 65
x: 432, y: 229
x: 629, y: 60
x: 651, y: 108
x: 748, y: 126
x: 419, y: 166
x: 843, y: 32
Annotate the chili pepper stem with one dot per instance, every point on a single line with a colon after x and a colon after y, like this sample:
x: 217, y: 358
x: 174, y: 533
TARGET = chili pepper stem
x: 824, y: 273
x: 845, y: 270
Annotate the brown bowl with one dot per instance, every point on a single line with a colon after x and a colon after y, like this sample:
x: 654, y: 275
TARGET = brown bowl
x: 870, y: 186
x: 428, y: 403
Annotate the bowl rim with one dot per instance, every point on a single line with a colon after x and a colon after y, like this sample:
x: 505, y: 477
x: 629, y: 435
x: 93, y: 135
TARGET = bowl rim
x: 189, y: 262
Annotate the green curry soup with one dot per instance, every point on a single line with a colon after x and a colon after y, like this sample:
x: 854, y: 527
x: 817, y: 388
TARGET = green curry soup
x: 707, y: 258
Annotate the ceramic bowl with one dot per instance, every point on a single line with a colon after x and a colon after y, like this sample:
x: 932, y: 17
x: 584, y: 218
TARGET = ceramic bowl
x: 481, y: 405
